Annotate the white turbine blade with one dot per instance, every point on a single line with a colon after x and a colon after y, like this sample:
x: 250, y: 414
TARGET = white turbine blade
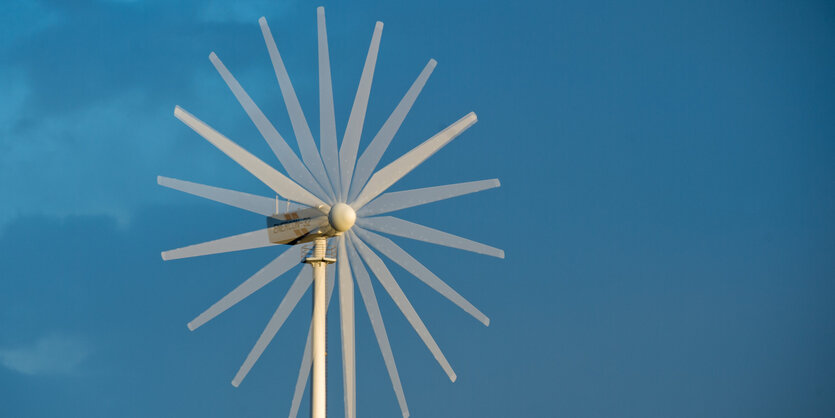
x: 249, y: 202
x: 399, y: 227
x: 351, y: 140
x: 346, y: 314
x: 327, y: 120
x: 288, y: 303
x: 268, y: 175
x: 304, y: 374
x: 372, y: 154
x: 393, y: 172
x: 285, y: 154
x: 245, y: 241
x: 370, y: 301
x: 307, y: 362
x: 387, y: 280
x: 275, y: 268
x: 405, y: 260
x: 304, y: 138
x: 392, y: 201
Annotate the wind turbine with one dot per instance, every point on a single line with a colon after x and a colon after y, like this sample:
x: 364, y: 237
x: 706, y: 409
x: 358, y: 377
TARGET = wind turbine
x: 336, y: 195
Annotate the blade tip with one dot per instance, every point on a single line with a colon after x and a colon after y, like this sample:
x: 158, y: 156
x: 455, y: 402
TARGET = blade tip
x: 453, y: 377
x: 236, y: 382
x: 432, y: 63
x: 378, y: 26
x: 497, y: 183
x: 164, y: 255
x: 159, y: 180
x: 320, y: 10
x: 179, y: 112
x: 486, y: 321
x: 262, y: 21
x: 191, y: 326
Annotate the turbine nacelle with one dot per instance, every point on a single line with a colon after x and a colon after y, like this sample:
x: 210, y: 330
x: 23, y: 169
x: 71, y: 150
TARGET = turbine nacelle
x: 307, y: 224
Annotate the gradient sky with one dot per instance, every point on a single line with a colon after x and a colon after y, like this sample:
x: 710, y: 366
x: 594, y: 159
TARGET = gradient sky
x: 667, y: 201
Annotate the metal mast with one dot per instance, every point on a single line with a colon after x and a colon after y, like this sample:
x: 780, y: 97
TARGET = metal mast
x: 319, y: 260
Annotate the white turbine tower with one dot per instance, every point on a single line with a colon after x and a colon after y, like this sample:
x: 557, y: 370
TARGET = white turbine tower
x: 336, y: 196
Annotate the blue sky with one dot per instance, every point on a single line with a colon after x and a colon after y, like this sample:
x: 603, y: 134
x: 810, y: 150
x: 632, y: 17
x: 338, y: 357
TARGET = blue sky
x: 668, y: 185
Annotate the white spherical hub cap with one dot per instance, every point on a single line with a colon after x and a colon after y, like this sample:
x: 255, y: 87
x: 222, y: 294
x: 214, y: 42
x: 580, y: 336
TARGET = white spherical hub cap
x: 342, y: 217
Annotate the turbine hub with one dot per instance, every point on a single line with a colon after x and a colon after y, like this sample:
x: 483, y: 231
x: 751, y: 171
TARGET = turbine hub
x: 342, y: 217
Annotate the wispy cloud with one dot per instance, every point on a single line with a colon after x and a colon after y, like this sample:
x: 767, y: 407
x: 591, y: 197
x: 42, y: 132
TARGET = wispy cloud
x: 85, y: 118
x: 49, y: 355
x: 108, y: 134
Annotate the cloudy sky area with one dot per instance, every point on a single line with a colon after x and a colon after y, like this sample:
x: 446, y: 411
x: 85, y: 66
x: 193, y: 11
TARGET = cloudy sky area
x: 668, y: 185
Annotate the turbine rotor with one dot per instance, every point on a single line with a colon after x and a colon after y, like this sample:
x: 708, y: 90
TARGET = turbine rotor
x: 342, y: 217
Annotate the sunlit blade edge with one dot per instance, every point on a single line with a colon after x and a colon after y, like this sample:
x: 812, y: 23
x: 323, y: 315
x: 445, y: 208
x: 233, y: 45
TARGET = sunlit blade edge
x: 390, y: 174
x: 288, y: 303
x: 351, y: 139
x: 346, y: 314
x: 376, y: 318
x: 295, y: 169
x: 382, y: 273
x: 304, y: 138
x: 327, y: 121
x: 393, y: 251
x: 248, y: 202
x: 374, y: 151
x: 403, y: 228
x: 246, y: 241
x: 287, y: 260
x: 392, y: 201
x: 268, y: 175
